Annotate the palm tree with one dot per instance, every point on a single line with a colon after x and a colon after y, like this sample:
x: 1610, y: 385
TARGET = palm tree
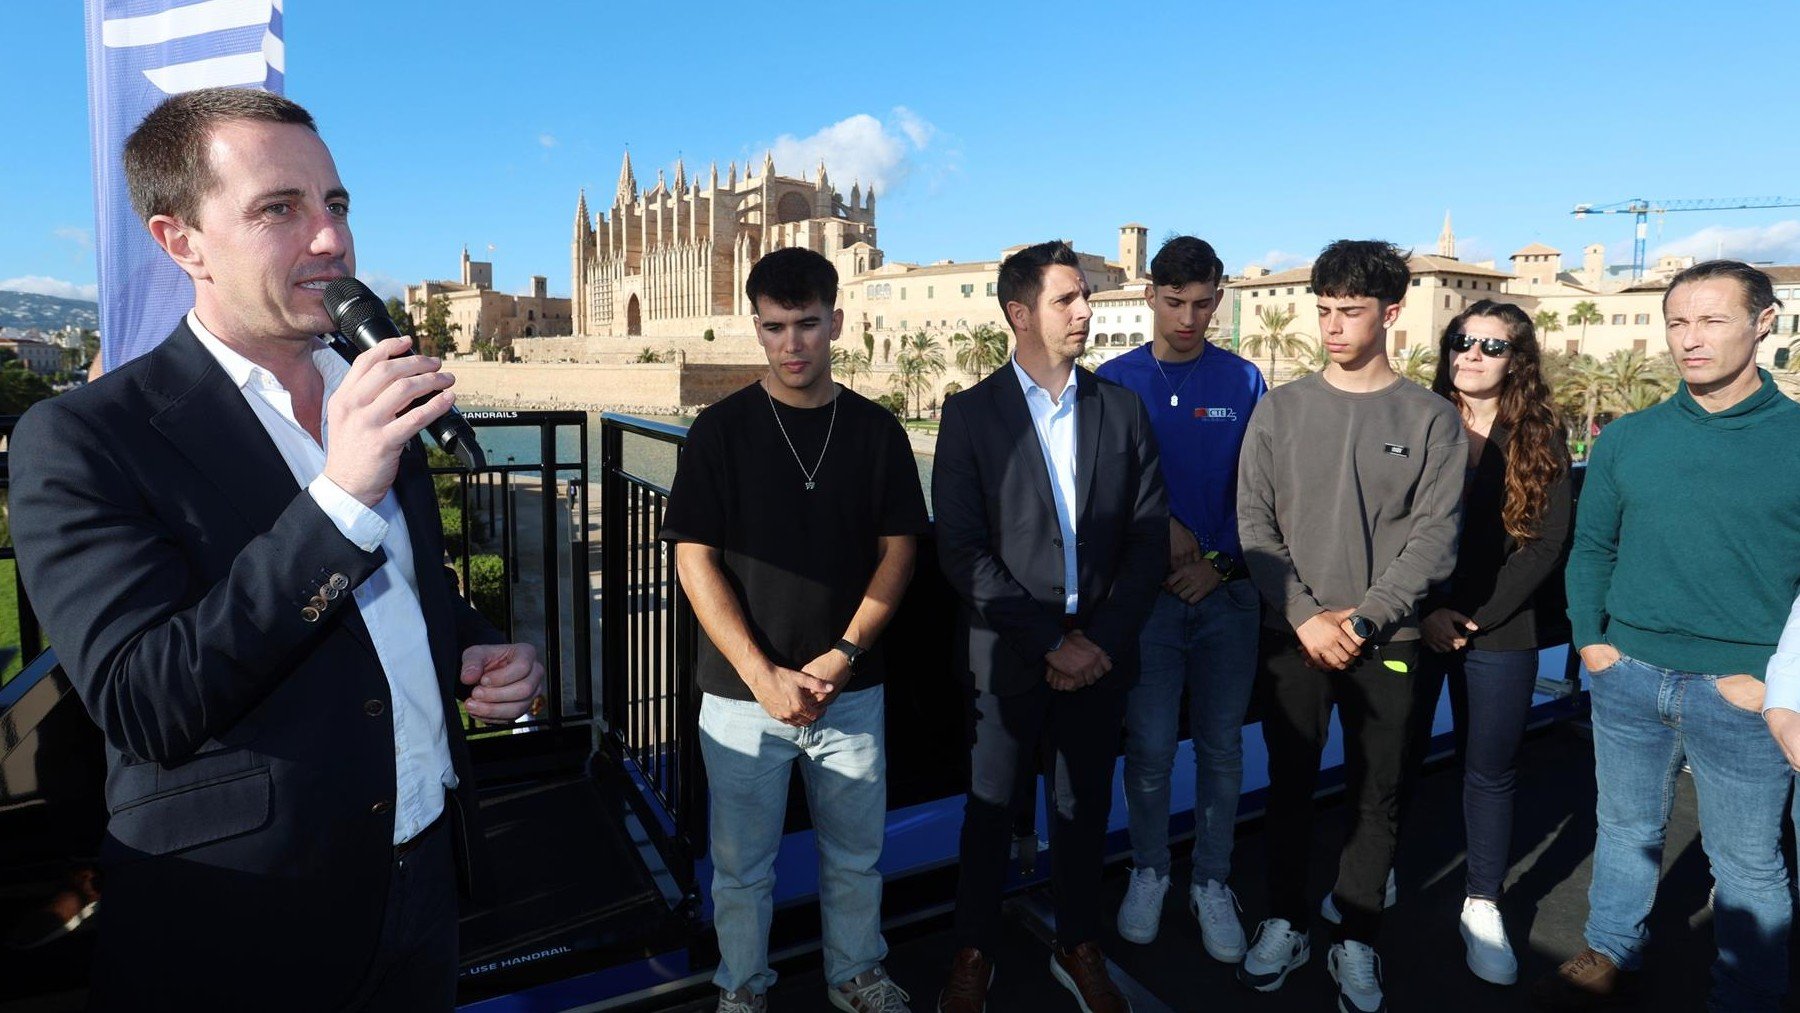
x: 848, y: 365
x: 1548, y: 322
x: 1313, y: 359
x: 1275, y: 338
x: 1635, y: 381
x: 1581, y: 315
x: 1419, y: 364
x: 921, y: 360
x: 981, y: 351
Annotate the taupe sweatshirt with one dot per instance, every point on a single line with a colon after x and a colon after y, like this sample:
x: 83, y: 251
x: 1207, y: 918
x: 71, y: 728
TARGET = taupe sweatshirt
x: 1351, y: 500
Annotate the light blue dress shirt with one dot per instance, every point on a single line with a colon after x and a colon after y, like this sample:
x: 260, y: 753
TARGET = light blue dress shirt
x: 1781, y: 681
x: 1053, y: 417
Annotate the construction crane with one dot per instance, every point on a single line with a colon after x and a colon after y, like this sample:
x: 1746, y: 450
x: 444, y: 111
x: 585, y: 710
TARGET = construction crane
x: 1642, y: 209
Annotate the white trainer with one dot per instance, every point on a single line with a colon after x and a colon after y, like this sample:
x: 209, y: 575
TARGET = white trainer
x: 1357, y: 970
x: 1216, y: 908
x: 1328, y: 909
x: 1484, y: 934
x: 1277, y: 949
x: 1140, y: 913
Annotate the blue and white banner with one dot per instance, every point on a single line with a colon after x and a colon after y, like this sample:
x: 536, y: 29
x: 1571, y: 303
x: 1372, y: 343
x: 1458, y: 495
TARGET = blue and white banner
x: 140, y: 52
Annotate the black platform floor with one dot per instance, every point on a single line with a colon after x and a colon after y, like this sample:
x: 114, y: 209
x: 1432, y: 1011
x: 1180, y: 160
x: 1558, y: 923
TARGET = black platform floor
x: 1544, y: 907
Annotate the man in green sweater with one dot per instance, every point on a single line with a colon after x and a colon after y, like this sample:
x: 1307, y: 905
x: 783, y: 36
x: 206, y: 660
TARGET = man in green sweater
x: 1686, y: 558
x: 1349, y: 488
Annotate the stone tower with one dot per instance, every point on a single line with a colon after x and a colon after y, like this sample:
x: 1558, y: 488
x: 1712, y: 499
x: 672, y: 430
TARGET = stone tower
x: 1447, y: 240
x: 1131, y: 249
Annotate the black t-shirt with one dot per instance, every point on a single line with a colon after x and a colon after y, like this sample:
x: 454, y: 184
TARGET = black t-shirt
x: 799, y: 559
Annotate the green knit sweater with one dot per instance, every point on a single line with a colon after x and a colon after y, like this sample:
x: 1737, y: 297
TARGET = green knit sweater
x: 1687, y: 536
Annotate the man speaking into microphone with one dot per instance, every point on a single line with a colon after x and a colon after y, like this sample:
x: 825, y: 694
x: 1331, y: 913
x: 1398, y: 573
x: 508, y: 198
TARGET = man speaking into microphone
x: 234, y: 546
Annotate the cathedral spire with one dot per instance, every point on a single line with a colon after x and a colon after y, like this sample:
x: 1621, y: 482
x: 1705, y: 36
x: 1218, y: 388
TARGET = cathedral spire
x: 582, y: 221
x: 713, y: 176
x: 627, y: 191
x: 1447, y: 239
x: 680, y: 175
x: 855, y: 191
x: 824, y: 181
x: 731, y: 180
x: 768, y: 166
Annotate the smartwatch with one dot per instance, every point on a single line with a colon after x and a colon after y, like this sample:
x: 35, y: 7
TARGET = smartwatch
x: 1363, y: 626
x: 1222, y: 564
x: 850, y: 651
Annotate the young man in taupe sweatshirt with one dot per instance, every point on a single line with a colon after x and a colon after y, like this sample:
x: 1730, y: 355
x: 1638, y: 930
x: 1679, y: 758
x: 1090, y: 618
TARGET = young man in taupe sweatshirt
x: 1349, y: 487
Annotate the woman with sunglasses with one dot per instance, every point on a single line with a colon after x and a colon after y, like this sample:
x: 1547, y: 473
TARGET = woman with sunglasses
x: 1504, y: 600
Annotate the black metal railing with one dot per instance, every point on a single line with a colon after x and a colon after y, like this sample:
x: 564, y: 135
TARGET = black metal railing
x: 21, y: 639
x: 650, y: 705
x: 521, y: 550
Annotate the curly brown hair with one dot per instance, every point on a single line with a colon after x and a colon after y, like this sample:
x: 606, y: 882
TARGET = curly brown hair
x: 1535, y: 455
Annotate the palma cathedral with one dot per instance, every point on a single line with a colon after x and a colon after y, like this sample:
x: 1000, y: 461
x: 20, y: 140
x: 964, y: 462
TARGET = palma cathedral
x: 672, y: 262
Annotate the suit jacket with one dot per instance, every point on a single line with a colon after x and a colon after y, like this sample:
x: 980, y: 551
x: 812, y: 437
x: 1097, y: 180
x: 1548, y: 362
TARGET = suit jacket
x: 250, y: 752
x: 1000, y: 545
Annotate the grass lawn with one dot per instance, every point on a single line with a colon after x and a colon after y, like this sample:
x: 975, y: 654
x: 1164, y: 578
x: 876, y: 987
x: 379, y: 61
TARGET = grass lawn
x: 921, y: 425
x: 9, y: 619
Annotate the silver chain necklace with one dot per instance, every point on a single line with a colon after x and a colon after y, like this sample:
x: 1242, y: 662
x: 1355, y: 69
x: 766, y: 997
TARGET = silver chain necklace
x: 1175, y: 391
x: 829, y: 426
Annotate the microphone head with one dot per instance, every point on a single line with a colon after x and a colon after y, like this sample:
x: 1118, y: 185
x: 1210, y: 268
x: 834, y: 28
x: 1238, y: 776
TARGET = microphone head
x: 351, y: 304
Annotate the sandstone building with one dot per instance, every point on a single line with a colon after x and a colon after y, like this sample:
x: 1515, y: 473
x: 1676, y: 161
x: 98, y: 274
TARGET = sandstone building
x: 478, y: 313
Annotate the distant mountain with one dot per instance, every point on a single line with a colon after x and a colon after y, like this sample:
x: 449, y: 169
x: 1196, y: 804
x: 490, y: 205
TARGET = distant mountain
x: 46, y: 312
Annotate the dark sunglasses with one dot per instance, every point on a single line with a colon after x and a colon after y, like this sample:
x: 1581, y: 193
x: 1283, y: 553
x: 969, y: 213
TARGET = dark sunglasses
x: 1493, y: 348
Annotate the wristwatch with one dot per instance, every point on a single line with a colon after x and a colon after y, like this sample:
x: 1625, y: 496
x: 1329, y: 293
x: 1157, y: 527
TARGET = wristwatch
x: 1222, y: 563
x: 850, y: 651
x: 1363, y: 626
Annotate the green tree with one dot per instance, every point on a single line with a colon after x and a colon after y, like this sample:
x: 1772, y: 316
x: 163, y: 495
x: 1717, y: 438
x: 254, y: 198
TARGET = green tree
x: 1581, y: 315
x: 921, y: 360
x: 648, y: 355
x: 1418, y: 364
x: 849, y: 365
x: 1548, y: 322
x: 1635, y: 381
x: 433, y: 330
x: 20, y: 388
x: 1275, y: 338
x: 402, y: 319
x: 981, y: 350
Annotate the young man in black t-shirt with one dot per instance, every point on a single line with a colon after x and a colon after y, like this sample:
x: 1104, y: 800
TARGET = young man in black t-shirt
x: 794, y: 512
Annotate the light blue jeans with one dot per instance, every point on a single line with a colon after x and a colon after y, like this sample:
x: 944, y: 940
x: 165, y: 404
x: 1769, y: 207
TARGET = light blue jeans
x: 1209, y: 649
x: 1646, y: 719
x: 843, y: 762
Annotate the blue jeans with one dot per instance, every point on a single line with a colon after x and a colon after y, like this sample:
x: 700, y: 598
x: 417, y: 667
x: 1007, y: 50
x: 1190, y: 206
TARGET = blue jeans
x: 1646, y: 719
x: 1210, y: 650
x: 748, y: 757
x: 1490, y: 700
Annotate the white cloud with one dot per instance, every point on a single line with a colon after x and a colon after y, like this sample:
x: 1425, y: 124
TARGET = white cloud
x: 37, y: 284
x: 82, y: 238
x: 860, y: 147
x: 384, y: 285
x: 1278, y: 260
x: 1778, y: 242
x: 547, y: 140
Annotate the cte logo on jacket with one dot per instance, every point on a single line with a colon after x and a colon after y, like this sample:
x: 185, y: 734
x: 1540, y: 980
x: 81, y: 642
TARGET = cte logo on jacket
x: 1216, y: 414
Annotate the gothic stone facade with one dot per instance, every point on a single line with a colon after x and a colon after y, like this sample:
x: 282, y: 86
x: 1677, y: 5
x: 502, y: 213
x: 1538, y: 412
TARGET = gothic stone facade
x: 672, y: 262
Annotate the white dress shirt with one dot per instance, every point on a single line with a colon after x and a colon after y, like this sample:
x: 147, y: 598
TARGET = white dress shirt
x: 1781, y: 681
x: 388, y: 600
x: 1053, y: 417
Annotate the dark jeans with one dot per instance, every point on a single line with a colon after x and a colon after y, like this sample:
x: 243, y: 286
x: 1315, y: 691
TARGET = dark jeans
x: 1490, y: 699
x: 1084, y: 728
x: 1374, y: 700
x: 414, y: 970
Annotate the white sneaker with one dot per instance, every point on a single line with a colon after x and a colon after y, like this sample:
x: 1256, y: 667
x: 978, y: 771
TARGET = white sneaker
x: 1140, y: 913
x: 1328, y: 909
x: 1276, y: 950
x: 1357, y: 970
x: 1490, y: 955
x: 1216, y: 908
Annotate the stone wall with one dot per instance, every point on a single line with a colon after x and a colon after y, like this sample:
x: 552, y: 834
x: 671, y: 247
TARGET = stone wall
x: 657, y: 387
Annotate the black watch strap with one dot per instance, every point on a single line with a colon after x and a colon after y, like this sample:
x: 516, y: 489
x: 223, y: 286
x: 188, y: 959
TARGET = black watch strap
x: 850, y: 651
x: 1363, y: 626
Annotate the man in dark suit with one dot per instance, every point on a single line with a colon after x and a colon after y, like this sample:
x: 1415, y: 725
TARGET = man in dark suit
x: 234, y: 545
x: 1053, y: 527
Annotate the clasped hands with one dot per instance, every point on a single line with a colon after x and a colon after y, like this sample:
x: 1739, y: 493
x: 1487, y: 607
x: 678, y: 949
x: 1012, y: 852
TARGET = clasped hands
x: 1076, y: 663
x: 507, y: 680
x: 1328, y: 642
x: 798, y: 697
x: 1191, y: 575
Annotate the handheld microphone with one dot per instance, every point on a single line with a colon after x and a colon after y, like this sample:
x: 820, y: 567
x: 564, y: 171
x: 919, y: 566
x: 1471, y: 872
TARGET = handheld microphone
x: 361, y: 318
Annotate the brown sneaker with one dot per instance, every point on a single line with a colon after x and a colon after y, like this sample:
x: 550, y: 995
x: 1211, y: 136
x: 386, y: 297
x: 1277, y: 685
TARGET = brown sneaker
x: 1083, y: 972
x: 1588, y: 980
x: 966, y: 991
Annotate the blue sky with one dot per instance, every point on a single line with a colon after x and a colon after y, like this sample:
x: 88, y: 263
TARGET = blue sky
x: 1268, y: 129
